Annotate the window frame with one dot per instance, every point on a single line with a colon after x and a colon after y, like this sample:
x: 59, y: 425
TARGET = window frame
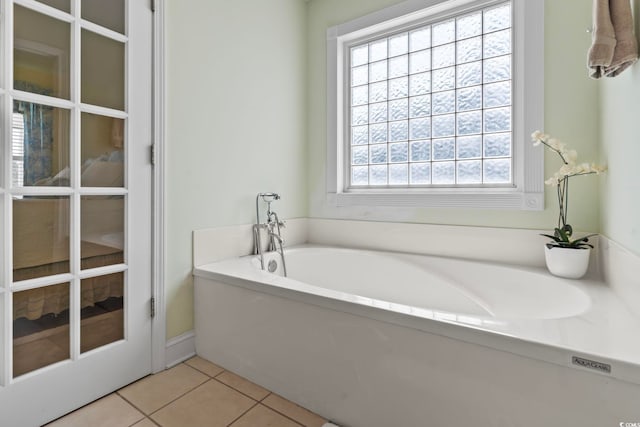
x: 527, y: 191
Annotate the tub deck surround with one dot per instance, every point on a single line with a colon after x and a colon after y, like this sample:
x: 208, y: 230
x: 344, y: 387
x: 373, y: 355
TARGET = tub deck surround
x: 347, y: 366
x: 215, y: 244
x: 620, y: 269
x: 503, y: 245
x: 521, y: 310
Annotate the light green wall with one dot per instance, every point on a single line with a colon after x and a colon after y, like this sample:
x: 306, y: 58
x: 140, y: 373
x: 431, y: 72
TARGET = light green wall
x: 246, y: 113
x: 570, y: 114
x: 236, y: 95
x: 620, y: 143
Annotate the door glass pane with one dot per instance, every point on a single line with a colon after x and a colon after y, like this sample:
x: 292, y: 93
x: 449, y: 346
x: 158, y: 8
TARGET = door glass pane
x: 2, y: 338
x: 102, y: 231
x: 109, y: 14
x: 39, y: 145
x: 58, y: 4
x: 102, y: 311
x: 41, y: 53
x: 102, y: 74
x: 40, y: 237
x: 2, y: 181
x: 40, y: 327
x: 102, y: 141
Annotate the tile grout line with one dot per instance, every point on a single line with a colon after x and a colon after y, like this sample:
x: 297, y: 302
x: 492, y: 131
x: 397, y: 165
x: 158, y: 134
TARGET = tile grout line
x: 210, y: 378
x: 203, y: 372
x: 140, y: 420
x: 169, y: 403
x: 255, y: 402
x: 260, y: 402
x: 179, y: 397
x: 237, y: 391
x: 130, y: 403
x: 241, y: 392
x: 153, y: 422
x: 268, y: 394
x: 283, y: 414
x: 137, y: 421
x: 215, y: 377
x: 243, y: 414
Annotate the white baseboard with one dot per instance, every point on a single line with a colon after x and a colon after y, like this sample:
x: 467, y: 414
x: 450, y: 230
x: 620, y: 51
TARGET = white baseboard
x: 180, y: 348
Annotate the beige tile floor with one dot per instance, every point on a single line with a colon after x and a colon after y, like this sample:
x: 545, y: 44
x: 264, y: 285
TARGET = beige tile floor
x: 196, y: 393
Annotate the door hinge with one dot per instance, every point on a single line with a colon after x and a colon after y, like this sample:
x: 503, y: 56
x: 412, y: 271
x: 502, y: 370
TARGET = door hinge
x: 152, y: 150
x: 153, y: 307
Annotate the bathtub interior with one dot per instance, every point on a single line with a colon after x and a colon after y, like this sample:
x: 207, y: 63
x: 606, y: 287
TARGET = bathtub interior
x: 451, y: 285
x: 379, y: 277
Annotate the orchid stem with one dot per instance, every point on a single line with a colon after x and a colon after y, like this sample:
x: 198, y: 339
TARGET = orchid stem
x: 555, y: 150
x: 566, y: 199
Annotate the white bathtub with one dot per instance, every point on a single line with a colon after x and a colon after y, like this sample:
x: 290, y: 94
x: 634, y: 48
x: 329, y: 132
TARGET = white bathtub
x: 383, y: 339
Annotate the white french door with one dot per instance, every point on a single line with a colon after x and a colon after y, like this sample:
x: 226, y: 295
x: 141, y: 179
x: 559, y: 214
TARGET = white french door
x: 75, y: 203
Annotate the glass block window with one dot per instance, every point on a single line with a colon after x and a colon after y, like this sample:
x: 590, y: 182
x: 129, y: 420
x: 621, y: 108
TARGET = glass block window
x: 433, y: 105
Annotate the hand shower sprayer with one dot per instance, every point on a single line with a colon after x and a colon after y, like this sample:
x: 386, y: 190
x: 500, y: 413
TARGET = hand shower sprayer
x: 269, y: 197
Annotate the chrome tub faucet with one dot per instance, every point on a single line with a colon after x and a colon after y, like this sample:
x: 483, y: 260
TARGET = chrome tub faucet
x: 273, y: 226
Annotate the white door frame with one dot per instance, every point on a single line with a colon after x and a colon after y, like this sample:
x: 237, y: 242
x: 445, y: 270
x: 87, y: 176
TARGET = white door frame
x: 158, y: 325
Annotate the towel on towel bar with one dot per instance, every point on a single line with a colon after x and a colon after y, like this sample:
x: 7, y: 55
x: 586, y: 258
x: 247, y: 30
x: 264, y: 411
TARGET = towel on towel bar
x: 614, y: 46
x: 604, y: 39
x: 626, y: 52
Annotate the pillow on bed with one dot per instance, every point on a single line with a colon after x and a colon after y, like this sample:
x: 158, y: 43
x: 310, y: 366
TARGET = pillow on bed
x: 103, y: 174
x: 107, y: 170
x: 60, y: 180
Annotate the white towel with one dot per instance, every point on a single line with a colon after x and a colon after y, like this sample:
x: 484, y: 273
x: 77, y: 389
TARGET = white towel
x: 614, y: 46
x: 626, y: 51
x: 604, y: 39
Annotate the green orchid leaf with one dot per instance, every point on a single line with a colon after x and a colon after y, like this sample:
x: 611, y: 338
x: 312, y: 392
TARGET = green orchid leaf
x: 563, y: 235
x: 551, y: 237
x: 561, y: 239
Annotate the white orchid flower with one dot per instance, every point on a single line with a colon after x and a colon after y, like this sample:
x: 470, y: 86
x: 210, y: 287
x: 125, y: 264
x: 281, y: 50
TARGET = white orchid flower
x: 538, y: 138
x: 560, y: 179
x: 554, y: 143
x: 566, y: 170
x: 551, y: 181
x: 586, y: 168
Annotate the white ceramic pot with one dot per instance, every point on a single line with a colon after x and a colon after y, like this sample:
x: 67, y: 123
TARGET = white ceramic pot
x: 566, y: 262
